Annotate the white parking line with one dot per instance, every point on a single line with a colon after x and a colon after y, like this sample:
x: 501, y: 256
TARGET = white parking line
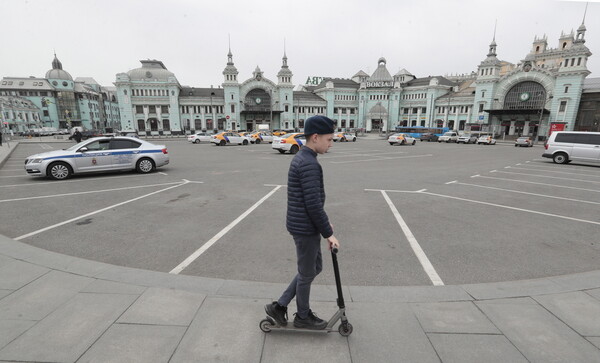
x: 537, y: 183
x: 569, y: 167
x: 96, y: 212
x: 546, y: 176
x: 88, y: 192
x: 535, y: 194
x: 513, y: 208
x: 552, y: 171
x: 381, y: 159
x: 41, y: 183
x: 218, y: 236
x: 347, y: 155
x: 427, y: 266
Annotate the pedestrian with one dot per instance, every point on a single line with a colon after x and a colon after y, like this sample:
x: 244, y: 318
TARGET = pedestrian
x: 306, y: 221
x: 77, y: 136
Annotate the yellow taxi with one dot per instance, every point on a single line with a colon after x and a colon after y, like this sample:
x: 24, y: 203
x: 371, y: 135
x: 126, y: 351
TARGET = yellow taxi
x: 260, y: 136
x: 279, y: 132
x: 228, y: 137
x: 289, y: 142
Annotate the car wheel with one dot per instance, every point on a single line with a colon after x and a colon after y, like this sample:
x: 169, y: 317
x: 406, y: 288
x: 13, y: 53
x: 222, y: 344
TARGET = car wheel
x: 560, y: 158
x: 439, y: 141
x: 391, y: 143
x: 447, y: 141
x: 281, y: 151
x: 516, y: 145
x: 197, y: 141
x: 257, y: 141
x: 294, y: 149
x: 222, y: 143
x: 59, y: 170
x: 414, y: 142
x: 245, y: 142
x: 144, y: 165
x: 354, y: 139
x: 403, y: 142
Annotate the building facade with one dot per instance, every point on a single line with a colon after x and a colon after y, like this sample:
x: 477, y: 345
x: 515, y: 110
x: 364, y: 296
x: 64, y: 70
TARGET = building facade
x: 60, y: 102
x: 540, y: 93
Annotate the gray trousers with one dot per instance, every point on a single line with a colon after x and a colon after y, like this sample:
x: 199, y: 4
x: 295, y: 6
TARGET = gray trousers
x: 310, y: 264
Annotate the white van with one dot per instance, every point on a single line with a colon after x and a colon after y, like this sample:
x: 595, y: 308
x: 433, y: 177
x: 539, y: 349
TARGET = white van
x: 565, y: 146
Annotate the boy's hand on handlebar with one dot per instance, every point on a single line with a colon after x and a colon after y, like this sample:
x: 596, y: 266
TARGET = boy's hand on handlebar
x: 333, y: 243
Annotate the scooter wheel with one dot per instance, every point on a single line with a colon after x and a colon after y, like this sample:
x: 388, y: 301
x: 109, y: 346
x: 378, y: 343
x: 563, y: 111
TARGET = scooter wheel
x: 345, y: 329
x: 265, y: 325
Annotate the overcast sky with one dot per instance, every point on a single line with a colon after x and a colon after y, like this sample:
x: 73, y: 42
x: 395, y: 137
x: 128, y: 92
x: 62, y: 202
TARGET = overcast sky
x: 324, y: 38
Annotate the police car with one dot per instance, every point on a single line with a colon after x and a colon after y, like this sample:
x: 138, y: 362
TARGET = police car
x: 98, y: 154
x: 289, y: 142
x: 228, y: 137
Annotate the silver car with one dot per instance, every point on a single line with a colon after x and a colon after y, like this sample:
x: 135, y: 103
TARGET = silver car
x: 98, y: 154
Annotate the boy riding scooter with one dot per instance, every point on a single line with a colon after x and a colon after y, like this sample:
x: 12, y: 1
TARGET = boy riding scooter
x: 306, y: 221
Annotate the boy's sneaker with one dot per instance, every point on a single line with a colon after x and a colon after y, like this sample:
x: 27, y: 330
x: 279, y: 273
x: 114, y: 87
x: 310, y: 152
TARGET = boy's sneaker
x: 312, y: 322
x: 277, y: 312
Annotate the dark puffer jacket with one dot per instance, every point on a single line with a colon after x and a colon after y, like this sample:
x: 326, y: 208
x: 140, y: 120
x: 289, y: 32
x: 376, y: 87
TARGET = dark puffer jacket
x: 306, y: 196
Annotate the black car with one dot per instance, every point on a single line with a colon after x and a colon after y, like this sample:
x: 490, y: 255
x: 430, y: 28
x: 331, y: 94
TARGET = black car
x: 427, y: 136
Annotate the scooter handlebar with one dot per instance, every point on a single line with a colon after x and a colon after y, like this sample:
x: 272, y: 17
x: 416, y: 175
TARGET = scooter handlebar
x: 334, y: 250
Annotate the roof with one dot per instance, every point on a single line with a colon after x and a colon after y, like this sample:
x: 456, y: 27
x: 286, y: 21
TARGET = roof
x: 86, y: 80
x: 201, y: 92
x: 381, y: 74
x: 30, y: 83
x: 425, y: 81
x: 151, y: 70
x: 591, y: 85
x: 307, y: 96
x: 339, y: 83
x: 360, y: 73
x: 403, y: 72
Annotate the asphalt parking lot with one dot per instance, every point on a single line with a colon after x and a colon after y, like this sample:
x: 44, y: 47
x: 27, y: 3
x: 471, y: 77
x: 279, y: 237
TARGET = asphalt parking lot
x: 405, y: 215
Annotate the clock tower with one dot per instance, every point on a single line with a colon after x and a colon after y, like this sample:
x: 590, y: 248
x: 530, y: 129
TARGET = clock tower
x: 231, y: 94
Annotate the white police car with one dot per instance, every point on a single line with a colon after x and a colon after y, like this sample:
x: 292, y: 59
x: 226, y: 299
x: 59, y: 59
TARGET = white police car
x: 98, y: 154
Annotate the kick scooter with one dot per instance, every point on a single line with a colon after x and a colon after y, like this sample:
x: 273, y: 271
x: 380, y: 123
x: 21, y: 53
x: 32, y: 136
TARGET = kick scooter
x: 345, y: 328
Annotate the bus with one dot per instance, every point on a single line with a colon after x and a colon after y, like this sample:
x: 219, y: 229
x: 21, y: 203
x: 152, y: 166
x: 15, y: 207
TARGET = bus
x: 417, y: 131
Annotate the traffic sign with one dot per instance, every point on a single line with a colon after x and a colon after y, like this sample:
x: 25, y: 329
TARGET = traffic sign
x: 481, y: 117
x: 227, y: 117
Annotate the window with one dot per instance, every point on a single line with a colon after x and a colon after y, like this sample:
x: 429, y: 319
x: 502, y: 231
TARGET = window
x: 481, y: 107
x: 566, y: 89
x: 123, y: 144
x: 139, y: 109
x: 482, y: 94
x: 287, y: 108
x: 164, y: 109
x: 152, y: 109
x: 98, y: 145
x: 563, y: 106
x: 166, y: 124
x: 579, y: 61
x: 46, y: 113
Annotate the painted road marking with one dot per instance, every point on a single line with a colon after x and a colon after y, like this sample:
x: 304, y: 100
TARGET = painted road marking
x: 547, y: 176
x: 569, y: 167
x: 41, y: 183
x: 513, y: 208
x: 425, y: 263
x: 528, y: 193
x: 554, y: 171
x: 537, y: 183
x: 218, y: 236
x: 88, y: 192
x: 95, y: 212
x: 381, y: 159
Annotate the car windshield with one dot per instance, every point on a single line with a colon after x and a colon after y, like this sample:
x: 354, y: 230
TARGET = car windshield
x: 448, y: 134
x: 466, y: 135
x: 523, y: 138
x: 77, y: 146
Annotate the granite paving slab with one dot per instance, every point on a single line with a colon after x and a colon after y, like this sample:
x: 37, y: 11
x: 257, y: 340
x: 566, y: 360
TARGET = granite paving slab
x: 110, y: 287
x: 10, y: 329
x: 42, y: 296
x: 4, y: 293
x: 578, y: 310
x: 498, y: 290
x: 595, y: 341
x: 306, y: 346
x: 408, y: 293
x: 225, y: 329
x: 453, y: 317
x: 15, y: 274
x: 68, y: 332
x: 539, y: 335
x: 385, y: 330
x: 135, y: 343
x: 163, y: 307
x: 463, y: 348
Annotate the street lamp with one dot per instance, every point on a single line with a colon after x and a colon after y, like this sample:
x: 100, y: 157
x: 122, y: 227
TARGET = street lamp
x: 539, y: 128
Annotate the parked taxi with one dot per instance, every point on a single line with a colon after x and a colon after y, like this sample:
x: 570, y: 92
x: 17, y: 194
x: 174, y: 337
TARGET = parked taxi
x: 260, y: 136
x: 486, y: 140
x: 229, y: 137
x: 289, y: 142
x: 343, y: 136
x: 401, y: 139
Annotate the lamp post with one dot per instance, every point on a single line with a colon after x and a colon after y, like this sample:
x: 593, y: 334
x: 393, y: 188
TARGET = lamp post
x: 539, y: 128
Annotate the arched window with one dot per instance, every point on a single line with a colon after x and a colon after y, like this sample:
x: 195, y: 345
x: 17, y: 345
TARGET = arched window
x: 525, y: 95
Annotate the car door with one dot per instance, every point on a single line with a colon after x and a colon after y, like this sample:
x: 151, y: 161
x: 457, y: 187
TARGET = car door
x: 94, y: 156
x: 584, y: 147
x: 124, y: 153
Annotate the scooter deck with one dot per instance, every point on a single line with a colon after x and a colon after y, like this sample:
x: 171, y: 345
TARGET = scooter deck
x: 290, y: 326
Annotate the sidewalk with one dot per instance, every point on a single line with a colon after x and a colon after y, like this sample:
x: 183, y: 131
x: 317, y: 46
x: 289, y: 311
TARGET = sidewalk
x: 56, y: 308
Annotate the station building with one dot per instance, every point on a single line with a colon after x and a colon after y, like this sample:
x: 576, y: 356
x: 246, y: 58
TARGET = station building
x: 57, y: 101
x: 541, y: 92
